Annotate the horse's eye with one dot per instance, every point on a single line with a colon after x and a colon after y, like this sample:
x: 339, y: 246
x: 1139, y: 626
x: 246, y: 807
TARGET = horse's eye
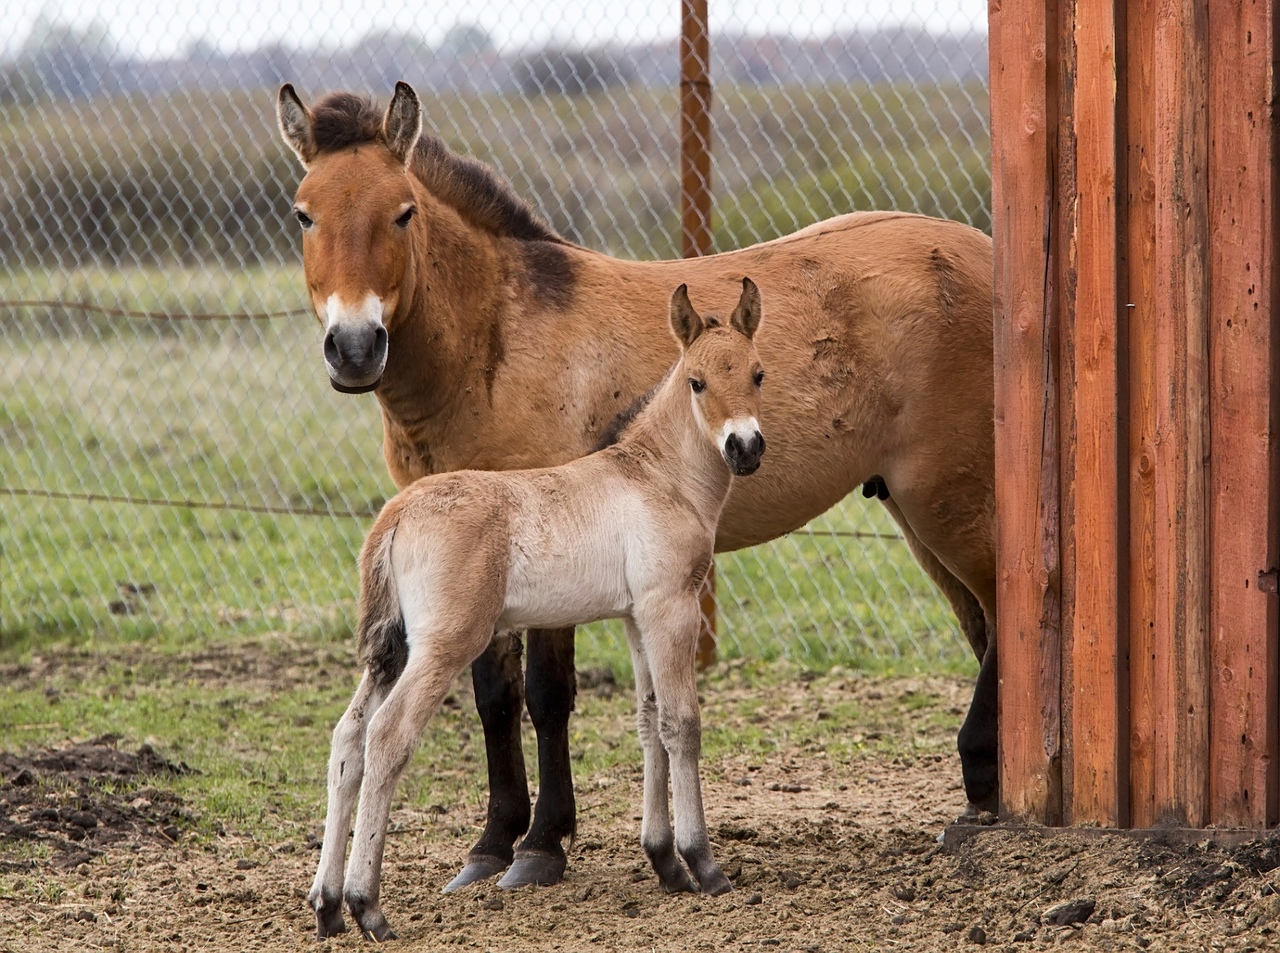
x: 697, y: 385
x: 758, y: 378
x: 404, y: 220
x: 303, y: 218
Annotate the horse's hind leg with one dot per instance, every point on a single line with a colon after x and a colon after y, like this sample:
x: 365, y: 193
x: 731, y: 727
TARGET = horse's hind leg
x: 435, y: 660
x: 978, y: 741
x: 346, y: 769
x: 550, y: 688
x: 496, y: 676
x: 656, y: 836
x: 669, y: 629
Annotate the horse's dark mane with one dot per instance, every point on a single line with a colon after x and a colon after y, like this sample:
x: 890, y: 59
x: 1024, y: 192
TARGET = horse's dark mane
x: 466, y: 184
x: 618, y: 426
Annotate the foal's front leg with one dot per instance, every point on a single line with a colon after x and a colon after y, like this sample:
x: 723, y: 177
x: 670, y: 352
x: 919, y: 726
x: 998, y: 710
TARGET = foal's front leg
x: 669, y: 632
x: 346, y: 768
x: 656, y: 835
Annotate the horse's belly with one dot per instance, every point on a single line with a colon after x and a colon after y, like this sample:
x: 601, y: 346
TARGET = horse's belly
x: 554, y: 595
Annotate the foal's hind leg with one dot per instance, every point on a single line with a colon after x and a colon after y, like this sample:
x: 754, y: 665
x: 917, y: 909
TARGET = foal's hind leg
x: 656, y: 835
x: 435, y: 660
x: 346, y: 768
x: 669, y: 632
x: 550, y: 687
x: 496, y: 677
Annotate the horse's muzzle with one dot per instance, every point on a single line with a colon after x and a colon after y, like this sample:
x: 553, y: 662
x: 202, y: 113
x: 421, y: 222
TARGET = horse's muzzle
x: 743, y: 456
x: 355, y: 357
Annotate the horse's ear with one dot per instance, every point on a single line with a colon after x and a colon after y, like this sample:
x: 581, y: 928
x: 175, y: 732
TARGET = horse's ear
x: 684, y: 320
x: 403, y: 123
x: 296, y: 124
x: 746, y: 316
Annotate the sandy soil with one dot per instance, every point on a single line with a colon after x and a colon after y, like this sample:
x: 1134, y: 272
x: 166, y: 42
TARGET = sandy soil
x: 824, y: 856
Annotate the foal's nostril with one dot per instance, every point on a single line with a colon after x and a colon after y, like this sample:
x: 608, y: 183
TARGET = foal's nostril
x: 379, y: 342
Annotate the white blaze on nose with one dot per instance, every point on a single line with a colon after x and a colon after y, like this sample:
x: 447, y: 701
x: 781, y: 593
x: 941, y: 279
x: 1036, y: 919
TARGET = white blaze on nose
x: 744, y: 428
x: 335, y: 311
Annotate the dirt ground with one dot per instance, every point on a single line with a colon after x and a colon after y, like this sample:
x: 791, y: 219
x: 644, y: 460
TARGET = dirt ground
x: 824, y: 855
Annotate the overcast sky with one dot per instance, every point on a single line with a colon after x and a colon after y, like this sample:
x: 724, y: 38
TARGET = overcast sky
x: 153, y: 28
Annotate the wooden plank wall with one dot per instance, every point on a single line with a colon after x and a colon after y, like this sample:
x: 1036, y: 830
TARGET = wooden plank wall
x: 1135, y: 188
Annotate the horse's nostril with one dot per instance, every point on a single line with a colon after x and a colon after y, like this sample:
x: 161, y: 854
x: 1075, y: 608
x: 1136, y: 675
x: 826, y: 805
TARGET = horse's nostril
x: 757, y: 444
x: 331, y: 350
x: 379, y: 341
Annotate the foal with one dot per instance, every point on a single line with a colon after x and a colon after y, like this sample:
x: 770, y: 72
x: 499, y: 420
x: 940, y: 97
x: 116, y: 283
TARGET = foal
x: 624, y: 533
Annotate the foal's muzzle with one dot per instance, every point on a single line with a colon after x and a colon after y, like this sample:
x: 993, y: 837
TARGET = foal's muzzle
x: 743, y: 456
x: 355, y: 356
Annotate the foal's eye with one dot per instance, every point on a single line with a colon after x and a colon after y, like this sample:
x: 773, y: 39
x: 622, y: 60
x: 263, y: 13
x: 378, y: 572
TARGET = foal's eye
x: 697, y: 385
x: 404, y: 220
x: 303, y: 218
x: 758, y: 377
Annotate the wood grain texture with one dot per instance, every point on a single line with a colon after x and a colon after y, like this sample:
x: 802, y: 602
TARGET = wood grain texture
x: 1181, y: 418
x: 1140, y: 307
x: 1245, y: 306
x: 695, y: 207
x: 1021, y: 204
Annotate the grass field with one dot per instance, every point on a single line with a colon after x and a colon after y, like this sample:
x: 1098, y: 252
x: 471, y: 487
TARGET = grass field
x: 240, y: 412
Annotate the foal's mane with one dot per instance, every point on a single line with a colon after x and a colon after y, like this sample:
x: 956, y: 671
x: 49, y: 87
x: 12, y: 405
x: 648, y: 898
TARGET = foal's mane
x: 471, y: 188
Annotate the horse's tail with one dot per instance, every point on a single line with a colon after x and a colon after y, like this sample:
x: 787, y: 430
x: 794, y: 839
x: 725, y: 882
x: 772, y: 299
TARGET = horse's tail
x: 384, y: 646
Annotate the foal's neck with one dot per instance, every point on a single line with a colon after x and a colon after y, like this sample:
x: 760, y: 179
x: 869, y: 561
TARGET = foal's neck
x: 666, y: 433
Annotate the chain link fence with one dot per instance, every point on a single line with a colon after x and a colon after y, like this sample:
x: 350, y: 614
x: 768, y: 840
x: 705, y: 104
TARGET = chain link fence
x: 172, y: 458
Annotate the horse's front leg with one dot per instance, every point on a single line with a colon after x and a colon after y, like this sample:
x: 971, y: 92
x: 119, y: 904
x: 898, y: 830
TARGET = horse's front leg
x: 656, y: 836
x: 346, y: 768
x: 550, y: 688
x: 669, y: 630
x: 496, y: 676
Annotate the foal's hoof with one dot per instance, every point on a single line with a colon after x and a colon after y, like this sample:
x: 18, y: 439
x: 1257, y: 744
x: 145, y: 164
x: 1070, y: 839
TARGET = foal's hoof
x: 328, y: 911
x: 478, y: 868
x: 372, y: 923
x: 539, y: 868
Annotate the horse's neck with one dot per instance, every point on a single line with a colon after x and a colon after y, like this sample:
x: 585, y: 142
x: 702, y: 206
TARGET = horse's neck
x: 431, y: 360
x: 666, y: 433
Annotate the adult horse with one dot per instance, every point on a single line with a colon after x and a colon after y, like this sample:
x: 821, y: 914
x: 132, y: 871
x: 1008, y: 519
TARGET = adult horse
x: 493, y: 343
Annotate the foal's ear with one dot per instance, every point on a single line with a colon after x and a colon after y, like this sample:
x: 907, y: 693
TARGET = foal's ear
x: 403, y: 123
x: 684, y: 320
x: 746, y: 316
x: 296, y: 124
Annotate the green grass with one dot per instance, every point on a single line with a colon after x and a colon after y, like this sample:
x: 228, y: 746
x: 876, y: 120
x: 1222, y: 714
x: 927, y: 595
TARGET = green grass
x: 241, y: 412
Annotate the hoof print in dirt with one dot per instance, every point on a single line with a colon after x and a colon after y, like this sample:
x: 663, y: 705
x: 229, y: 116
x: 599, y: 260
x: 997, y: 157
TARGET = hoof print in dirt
x: 87, y: 796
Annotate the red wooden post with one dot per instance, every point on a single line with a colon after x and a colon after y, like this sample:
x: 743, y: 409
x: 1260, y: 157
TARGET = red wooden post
x: 1021, y: 187
x: 1244, y: 301
x: 695, y: 205
x: 1137, y: 392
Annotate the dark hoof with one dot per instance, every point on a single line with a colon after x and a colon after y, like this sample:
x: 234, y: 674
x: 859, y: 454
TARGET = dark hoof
x: 372, y: 923
x: 329, y: 923
x: 478, y: 868
x: 715, y: 884
x: 329, y: 920
x: 680, y: 884
x: 983, y: 812
x: 534, y: 867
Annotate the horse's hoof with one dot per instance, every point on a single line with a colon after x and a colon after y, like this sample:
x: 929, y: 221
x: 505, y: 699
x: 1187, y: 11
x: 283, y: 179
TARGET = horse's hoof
x: 477, y: 869
x: 534, y: 867
x: 681, y: 883
x: 373, y: 924
x: 328, y: 910
x: 715, y: 884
